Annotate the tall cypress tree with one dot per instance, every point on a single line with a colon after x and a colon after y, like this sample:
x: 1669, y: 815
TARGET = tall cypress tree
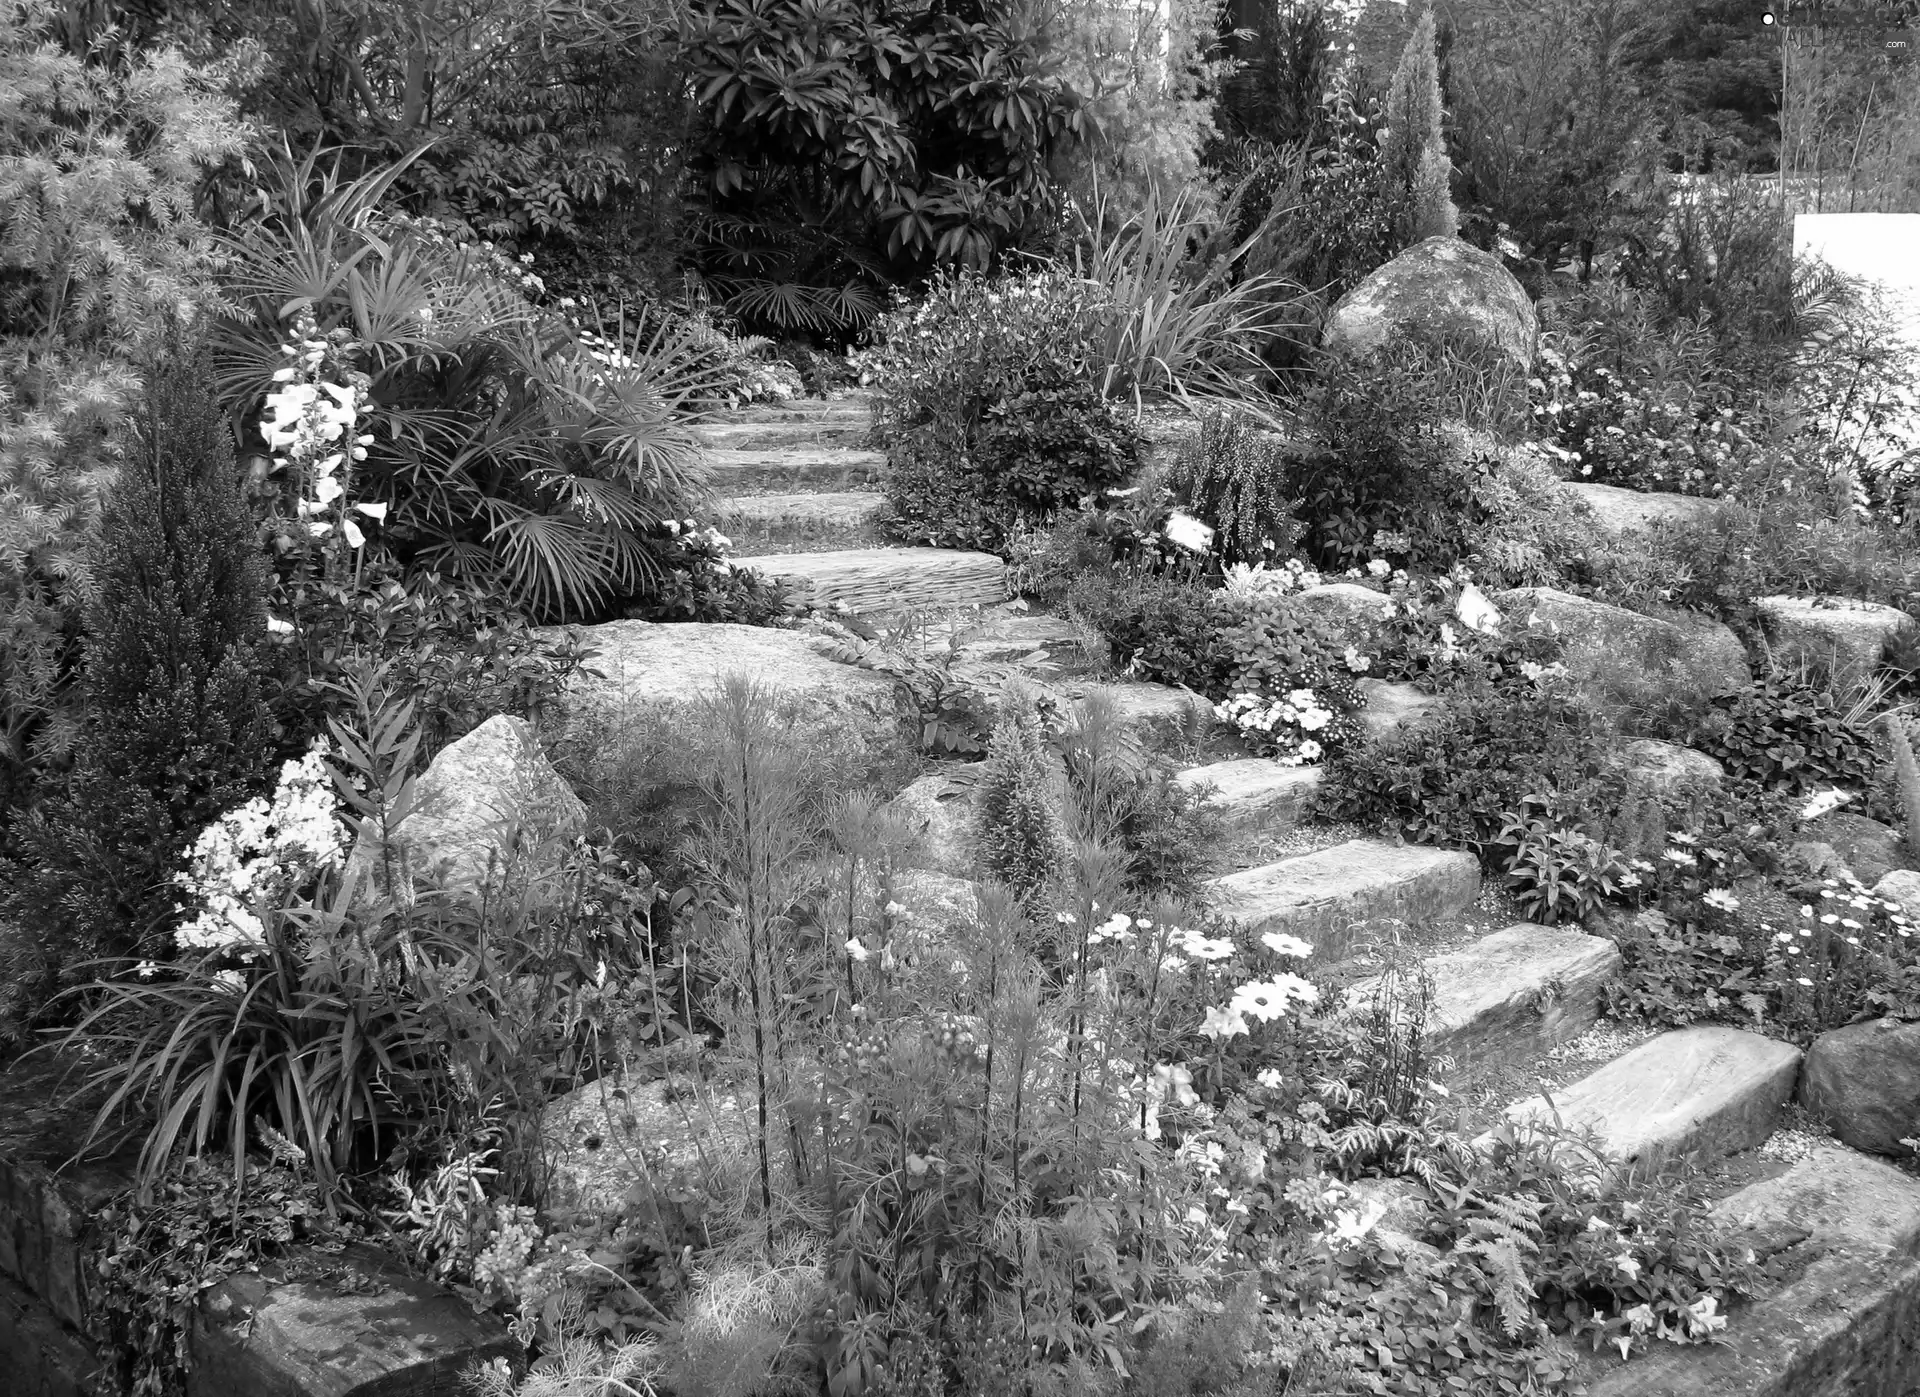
x: 177, y: 726
x: 1414, y: 153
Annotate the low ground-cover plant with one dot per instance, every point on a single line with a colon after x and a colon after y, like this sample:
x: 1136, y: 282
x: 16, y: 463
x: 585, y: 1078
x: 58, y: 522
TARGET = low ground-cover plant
x: 1789, y: 730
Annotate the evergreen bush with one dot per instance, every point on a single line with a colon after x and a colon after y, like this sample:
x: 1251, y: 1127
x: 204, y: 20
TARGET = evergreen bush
x: 176, y: 729
x: 1018, y: 831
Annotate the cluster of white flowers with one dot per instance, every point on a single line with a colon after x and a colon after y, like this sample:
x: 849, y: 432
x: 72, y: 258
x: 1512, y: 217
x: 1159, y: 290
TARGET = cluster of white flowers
x: 309, y: 423
x: 1283, y: 723
x: 691, y: 531
x: 255, y: 853
x: 1259, y: 580
x: 1265, y: 1000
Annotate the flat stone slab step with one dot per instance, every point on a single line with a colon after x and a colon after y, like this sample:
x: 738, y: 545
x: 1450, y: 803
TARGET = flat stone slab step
x: 1508, y: 998
x: 1706, y: 1090
x: 848, y: 430
x: 888, y: 579
x: 1320, y: 897
x: 846, y: 405
x: 1255, y: 792
x: 847, y: 515
x: 1844, y: 1318
x: 833, y: 467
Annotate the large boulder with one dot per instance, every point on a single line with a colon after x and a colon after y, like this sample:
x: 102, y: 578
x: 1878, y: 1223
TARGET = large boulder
x: 646, y: 665
x: 1599, y: 636
x: 939, y: 811
x: 1665, y: 768
x: 1439, y: 290
x: 483, y: 801
x: 1629, y: 511
x: 1867, y: 847
x: 1864, y: 1082
x: 1847, y: 636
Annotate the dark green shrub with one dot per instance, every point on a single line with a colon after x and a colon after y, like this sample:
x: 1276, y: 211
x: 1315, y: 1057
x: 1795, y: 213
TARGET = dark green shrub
x: 983, y: 402
x: 845, y: 143
x: 1235, y: 478
x: 1787, y: 731
x: 1156, y: 627
x: 1455, y: 778
x: 177, y: 727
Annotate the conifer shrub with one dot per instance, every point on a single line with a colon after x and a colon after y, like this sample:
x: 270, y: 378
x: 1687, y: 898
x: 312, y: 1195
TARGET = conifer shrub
x: 177, y: 729
x: 1413, y: 153
x: 1017, y: 829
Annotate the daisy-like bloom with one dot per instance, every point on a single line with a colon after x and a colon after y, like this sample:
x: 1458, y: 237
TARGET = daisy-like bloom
x: 1680, y: 837
x: 1282, y: 944
x: 1223, y: 1023
x: 1310, y: 751
x: 1267, y: 1000
x: 1681, y: 857
x: 1207, y: 947
x: 1722, y: 899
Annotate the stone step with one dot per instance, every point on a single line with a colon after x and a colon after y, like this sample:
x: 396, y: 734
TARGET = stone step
x: 1705, y: 1091
x: 842, y: 516
x: 845, y: 407
x: 830, y: 467
x: 1255, y: 793
x: 1509, y: 998
x: 1842, y: 1319
x: 888, y: 579
x: 1319, y: 897
x: 849, y: 430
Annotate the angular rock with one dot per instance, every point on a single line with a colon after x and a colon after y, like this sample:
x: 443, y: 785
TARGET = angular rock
x: 1867, y: 847
x: 1848, y: 636
x: 1322, y: 896
x: 1509, y: 998
x: 836, y: 515
x: 1346, y: 601
x: 1902, y: 886
x: 1627, y: 511
x: 365, y: 1329
x: 887, y: 579
x: 783, y: 468
x: 1255, y: 792
x: 1661, y: 768
x: 1598, y: 635
x: 42, y: 1357
x: 1004, y: 638
x: 483, y: 802
x: 647, y: 665
x: 1392, y: 706
x: 1706, y: 1090
x: 1864, y: 1081
x: 1439, y: 290
x: 1842, y: 1320
x: 1814, y: 858
x: 607, y: 1134
x: 940, y: 812
x: 1160, y: 708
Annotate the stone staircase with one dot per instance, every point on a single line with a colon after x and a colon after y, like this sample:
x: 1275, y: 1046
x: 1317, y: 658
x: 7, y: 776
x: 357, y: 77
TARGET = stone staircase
x: 796, y: 486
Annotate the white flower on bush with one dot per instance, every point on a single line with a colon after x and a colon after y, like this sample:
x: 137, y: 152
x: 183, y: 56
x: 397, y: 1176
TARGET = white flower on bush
x: 1349, y: 1225
x: 1187, y: 532
x: 1267, y: 1000
x: 257, y: 852
x: 1279, y: 723
x: 1259, y: 580
x: 1823, y: 803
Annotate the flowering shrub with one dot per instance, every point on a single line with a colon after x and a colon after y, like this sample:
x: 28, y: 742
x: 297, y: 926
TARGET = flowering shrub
x: 1291, y: 692
x: 257, y: 855
x: 697, y: 581
x: 985, y: 405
